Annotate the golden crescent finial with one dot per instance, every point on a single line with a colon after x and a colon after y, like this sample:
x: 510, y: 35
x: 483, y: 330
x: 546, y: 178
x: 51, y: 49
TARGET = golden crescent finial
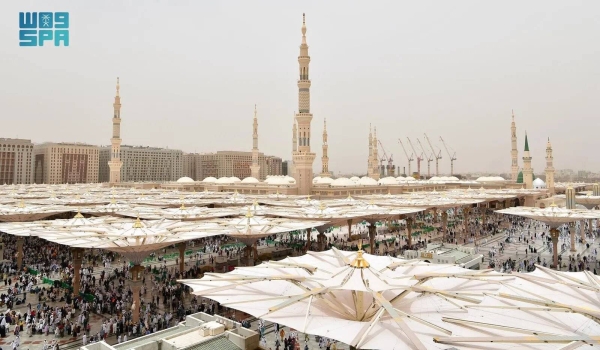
x: 138, y: 222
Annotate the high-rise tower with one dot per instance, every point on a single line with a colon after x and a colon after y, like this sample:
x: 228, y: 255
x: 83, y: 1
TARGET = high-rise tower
x: 375, y: 159
x: 527, y: 170
x: 325, y: 158
x: 115, y: 162
x: 514, y: 173
x: 303, y: 157
x: 255, y: 167
x: 549, y: 168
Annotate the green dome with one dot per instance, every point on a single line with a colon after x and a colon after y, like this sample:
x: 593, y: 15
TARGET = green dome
x: 520, y: 177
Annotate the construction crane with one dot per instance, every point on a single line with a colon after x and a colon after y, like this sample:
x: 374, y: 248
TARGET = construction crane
x: 419, y: 158
x: 438, y: 156
x: 389, y: 168
x: 452, y: 157
x: 428, y: 157
x: 409, y: 159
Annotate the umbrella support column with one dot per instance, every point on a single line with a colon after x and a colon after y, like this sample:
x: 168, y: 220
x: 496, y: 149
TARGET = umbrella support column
x: 308, y: 237
x: 136, y: 286
x: 255, y: 251
x: 20, y: 241
x: 409, y: 223
x: 372, y: 233
x: 321, y: 239
x: 484, y: 217
x: 434, y: 213
x: 77, y: 259
x: 1, y: 249
x: 444, y: 225
x: 248, y: 256
x: 554, y: 234
x: 181, y: 247
x: 591, y: 227
x: 466, y: 213
x: 349, y: 230
x: 572, y: 234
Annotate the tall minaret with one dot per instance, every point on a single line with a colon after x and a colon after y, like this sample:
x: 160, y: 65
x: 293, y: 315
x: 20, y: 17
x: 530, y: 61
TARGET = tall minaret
x: 292, y: 167
x: 514, y: 173
x: 370, y: 161
x: 304, y: 158
x: 115, y: 162
x: 376, y: 171
x: 549, y: 168
x: 325, y: 158
x: 255, y: 167
x: 527, y: 170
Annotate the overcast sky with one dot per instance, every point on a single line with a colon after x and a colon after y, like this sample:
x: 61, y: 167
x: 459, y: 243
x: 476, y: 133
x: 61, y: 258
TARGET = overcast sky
x: 191, y: 72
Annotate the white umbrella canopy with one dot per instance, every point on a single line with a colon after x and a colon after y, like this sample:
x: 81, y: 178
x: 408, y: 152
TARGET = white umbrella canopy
x: 26, y: 212
x: 182, y: 213
x: 256, y: 209
x: 430, y: 202
x: 341, y: 214
x: 134, y: 239
x: 79, y: 220
x: 249, y: 228
x: 374, y: 302
x: 234, y: 199
x: 107, y: 209
x: 302, y: 202
x: 553, y: 215
x: 588, y: 200
x: 24, y: 229
x: 578, y: 292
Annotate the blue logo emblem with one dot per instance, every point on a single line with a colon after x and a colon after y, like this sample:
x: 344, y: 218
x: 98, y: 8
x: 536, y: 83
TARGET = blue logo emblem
x: 37, y: 28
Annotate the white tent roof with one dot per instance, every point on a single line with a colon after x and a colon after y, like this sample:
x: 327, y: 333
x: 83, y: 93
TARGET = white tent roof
x: 378, y: 302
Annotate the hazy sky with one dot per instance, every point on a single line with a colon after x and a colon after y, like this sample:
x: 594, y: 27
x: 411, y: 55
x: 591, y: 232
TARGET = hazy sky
x: 191, y: 72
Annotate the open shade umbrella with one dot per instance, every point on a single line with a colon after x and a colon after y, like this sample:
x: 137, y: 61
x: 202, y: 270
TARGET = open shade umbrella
x: 552, y: 216
x: 375, y: 302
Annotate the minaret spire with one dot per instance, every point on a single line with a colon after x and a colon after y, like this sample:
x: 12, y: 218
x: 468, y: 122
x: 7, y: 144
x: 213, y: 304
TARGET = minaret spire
x: 370, y: 160
x: 255, y: 167
x: 303, y: 157
x: 527, y: 170
x: 325, y: 158
x: 115, y: 162
x: 549, y: 168
x: 514, y: 153
x: 292, y: 165
x: 376, y: 173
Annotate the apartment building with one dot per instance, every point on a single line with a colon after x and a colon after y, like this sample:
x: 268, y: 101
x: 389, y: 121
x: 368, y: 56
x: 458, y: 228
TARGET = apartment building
x: 227, y: 164
x: 16, y: 161
x: 59, y: 163
x: 274, y: 165
x: 144, y: 164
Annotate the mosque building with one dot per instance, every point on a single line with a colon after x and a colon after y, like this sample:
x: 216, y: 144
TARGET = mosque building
x: 256, y: 178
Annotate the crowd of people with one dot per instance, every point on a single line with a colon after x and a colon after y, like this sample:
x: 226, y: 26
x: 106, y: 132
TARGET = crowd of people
x: 34, y: 308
